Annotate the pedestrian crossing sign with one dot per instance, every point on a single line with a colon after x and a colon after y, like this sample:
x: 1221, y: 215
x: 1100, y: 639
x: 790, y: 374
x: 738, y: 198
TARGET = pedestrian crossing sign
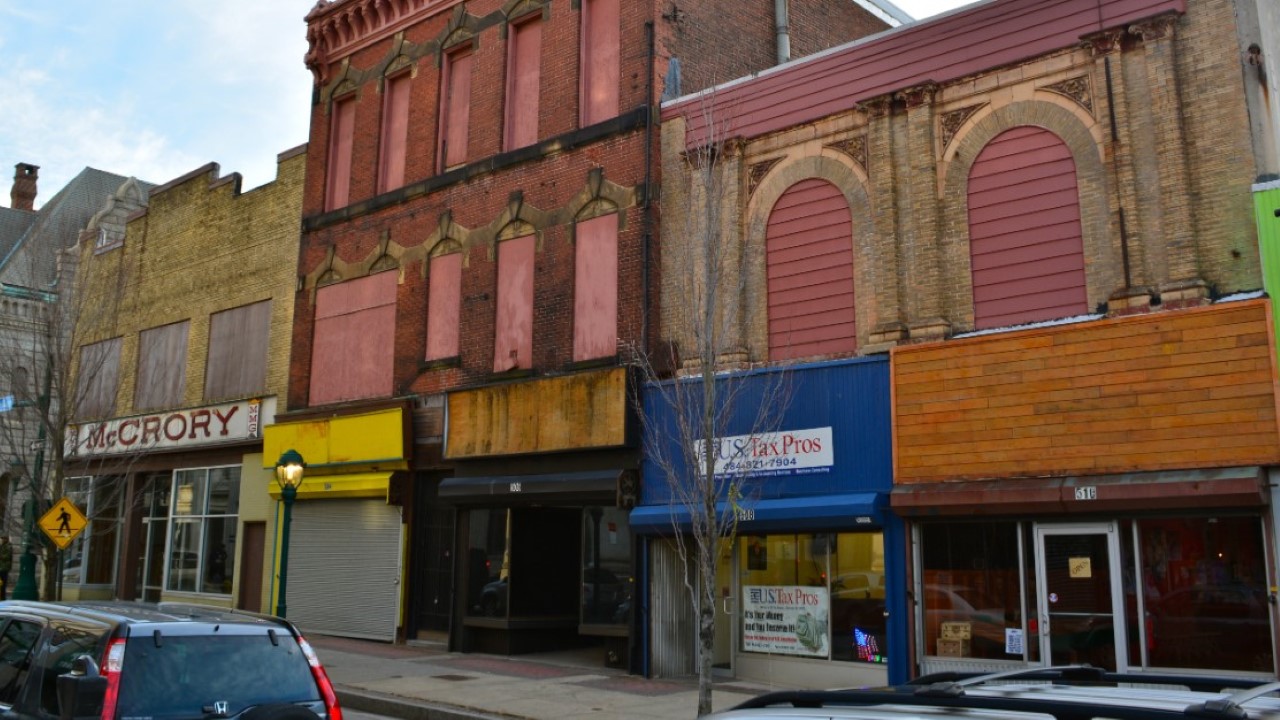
x: 63, y: 523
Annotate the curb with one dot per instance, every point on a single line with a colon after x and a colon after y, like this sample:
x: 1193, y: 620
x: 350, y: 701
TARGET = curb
x: 405, y: 709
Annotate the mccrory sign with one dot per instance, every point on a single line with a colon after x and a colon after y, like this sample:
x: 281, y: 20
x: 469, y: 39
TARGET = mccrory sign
x: 172, y: 430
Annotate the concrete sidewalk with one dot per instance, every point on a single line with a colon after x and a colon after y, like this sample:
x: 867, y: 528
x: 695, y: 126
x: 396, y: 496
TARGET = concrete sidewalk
x: 417, y: 683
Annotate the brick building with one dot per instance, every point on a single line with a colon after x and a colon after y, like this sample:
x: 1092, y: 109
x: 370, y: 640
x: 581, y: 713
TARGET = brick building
x: 1082, y: 164
x: 478, y: 248
x: 180, y: 357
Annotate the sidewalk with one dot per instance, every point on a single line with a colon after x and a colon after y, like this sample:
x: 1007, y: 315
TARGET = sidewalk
x: 417, y: 683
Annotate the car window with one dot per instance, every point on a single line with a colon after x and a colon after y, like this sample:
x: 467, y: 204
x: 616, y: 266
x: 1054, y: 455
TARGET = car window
x: 65, y: 645
x: 178, y: 676
x: 15, y: 657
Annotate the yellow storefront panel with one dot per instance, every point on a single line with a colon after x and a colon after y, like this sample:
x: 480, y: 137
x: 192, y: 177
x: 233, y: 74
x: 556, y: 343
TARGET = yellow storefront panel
x: 354, y: 485
x: 375, y: 439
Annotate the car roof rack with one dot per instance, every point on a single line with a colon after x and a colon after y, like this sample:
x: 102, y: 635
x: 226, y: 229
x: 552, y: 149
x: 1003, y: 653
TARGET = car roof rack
x: 961, y: 693
x: 943, y: 682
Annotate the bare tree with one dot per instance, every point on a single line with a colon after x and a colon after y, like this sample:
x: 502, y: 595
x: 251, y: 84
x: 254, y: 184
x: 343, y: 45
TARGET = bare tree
x: 48, y: 380
x: 710, y: 404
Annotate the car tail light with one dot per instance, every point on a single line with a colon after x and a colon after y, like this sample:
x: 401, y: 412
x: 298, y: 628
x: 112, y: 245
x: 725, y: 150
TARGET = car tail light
x: 111, y: 670
x: 322, y: 681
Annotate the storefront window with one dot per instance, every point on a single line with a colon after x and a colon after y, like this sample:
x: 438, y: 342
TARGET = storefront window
x: 972, y: 591
x: 206, y: 507
x: 489, y: 562
x: 820, y: 595
x: 1205, y: 594
x: 606, y: 566
x: 91, y: 557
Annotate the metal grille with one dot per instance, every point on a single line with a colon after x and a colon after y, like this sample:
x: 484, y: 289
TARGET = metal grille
x: 672, y: 625
x: 344, y: 568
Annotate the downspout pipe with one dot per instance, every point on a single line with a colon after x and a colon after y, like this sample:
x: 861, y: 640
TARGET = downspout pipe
x: 781, y: 24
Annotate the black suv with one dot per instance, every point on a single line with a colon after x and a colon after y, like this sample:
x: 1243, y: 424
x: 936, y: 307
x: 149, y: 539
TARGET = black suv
x: 123, y: 660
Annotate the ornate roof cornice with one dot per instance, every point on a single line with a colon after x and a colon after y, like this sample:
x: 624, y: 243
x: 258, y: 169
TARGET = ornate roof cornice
x: 337, y: 28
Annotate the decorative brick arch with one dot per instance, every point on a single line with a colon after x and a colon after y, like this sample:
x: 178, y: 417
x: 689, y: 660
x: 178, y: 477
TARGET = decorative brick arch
x: 1101, y: 251
x: 842, y: 172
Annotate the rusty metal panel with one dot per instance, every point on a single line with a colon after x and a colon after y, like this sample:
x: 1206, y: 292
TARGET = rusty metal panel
x: 572, y: 412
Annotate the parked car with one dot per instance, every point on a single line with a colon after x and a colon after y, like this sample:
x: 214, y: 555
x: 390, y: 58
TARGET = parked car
x: 111, y: 660
x: 1078, y: 692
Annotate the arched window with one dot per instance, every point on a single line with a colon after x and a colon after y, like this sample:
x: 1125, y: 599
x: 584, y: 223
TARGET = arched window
x: 809, y: 260
x: 1025, y: 240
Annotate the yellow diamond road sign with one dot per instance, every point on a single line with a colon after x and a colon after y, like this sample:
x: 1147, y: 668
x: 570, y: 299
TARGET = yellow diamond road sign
x: 63, y: 523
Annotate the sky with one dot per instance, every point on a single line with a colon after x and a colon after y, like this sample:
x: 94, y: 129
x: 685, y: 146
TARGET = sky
x: 158, y: 88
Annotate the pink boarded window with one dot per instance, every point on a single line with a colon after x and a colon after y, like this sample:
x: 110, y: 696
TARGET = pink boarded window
x: 524, y: 73
x: 600, y: 60
x: 395, y: 131
x: 809, y: 260
x: 444, y: 302
x: 354, y: 347
x: 513, y: 333
x: 341, y: 132
x: 595, y: 292
x: 1025, y: 239
x: 455, y: 108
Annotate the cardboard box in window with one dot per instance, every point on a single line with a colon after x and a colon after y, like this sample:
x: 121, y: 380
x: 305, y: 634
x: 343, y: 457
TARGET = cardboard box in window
x: 953, y: 647
x: 957, y: 630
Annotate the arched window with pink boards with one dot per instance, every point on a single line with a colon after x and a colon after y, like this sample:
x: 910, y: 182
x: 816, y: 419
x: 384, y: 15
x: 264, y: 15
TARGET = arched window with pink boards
x: 809, y: 261
x: 1025, y: 240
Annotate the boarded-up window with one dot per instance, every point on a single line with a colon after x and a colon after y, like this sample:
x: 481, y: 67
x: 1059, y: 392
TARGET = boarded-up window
x: 513, y: 334
x: 98, y: 379
x: 595, y: 291
x: 162, y: 367
x: 395, y: 131
x: 354, y: 339
x: 455, y: 108
x: 341, y: 132
x: 237, y: 361
x: 524, y: 72
x: 809, y: 255
x: 444, y: 300
x: 1025, y: 239
x: 600, y: 53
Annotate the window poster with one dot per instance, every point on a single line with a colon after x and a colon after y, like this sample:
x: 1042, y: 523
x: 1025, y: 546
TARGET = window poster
x: 786, y: 620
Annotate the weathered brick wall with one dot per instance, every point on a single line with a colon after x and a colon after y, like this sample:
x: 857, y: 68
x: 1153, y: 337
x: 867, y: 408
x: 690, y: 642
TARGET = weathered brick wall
x: 1178, y: 163
x: 554, y: 182
x: 201, y: 247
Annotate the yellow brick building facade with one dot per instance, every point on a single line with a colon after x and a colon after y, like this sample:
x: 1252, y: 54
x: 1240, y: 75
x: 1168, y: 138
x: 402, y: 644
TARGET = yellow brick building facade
x: 175, y: 480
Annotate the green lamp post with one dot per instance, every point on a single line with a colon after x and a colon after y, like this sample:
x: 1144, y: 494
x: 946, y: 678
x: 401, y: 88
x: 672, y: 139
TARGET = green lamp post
x: 289, y: 471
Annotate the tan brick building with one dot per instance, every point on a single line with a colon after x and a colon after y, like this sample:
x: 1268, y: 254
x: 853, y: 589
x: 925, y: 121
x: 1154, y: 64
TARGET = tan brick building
x: 181, y: 356
x: 1081, y: 165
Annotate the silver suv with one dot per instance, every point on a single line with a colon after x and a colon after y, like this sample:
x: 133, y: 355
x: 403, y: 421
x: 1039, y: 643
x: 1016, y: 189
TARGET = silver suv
x: 1077, y: 692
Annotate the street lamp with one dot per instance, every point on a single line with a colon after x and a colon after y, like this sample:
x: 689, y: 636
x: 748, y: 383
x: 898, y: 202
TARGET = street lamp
x: 289, y: 472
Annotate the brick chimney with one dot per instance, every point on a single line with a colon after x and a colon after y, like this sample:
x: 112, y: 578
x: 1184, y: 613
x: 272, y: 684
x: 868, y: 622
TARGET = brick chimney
x: 23, y: 194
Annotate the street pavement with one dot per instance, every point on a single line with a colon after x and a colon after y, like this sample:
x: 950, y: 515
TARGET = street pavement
x: 424, y: 683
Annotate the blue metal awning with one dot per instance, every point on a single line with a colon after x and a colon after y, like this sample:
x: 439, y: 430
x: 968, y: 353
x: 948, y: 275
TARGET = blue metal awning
x: 811, y: 512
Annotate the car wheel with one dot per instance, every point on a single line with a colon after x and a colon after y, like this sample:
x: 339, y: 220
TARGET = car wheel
x: 280, y: 711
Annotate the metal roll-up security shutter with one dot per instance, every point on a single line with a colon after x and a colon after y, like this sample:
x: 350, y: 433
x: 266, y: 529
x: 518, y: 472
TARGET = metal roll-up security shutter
x: 344, y: 568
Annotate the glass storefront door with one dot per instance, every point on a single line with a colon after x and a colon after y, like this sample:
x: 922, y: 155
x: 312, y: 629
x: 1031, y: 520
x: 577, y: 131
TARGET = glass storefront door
x: 1081, y: 603
x: 155, y: 530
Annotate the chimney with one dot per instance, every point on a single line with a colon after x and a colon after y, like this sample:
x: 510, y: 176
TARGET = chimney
x: 23, y: 194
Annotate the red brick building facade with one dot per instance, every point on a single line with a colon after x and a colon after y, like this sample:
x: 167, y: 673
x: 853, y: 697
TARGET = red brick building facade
x: 477, y: 256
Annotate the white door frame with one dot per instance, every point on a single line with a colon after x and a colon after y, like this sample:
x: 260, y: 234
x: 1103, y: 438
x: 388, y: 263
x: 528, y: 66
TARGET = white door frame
x: 1112, y: 532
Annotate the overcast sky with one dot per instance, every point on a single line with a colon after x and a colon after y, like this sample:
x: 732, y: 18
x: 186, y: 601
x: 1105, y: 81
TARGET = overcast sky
x: 157, y: 88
